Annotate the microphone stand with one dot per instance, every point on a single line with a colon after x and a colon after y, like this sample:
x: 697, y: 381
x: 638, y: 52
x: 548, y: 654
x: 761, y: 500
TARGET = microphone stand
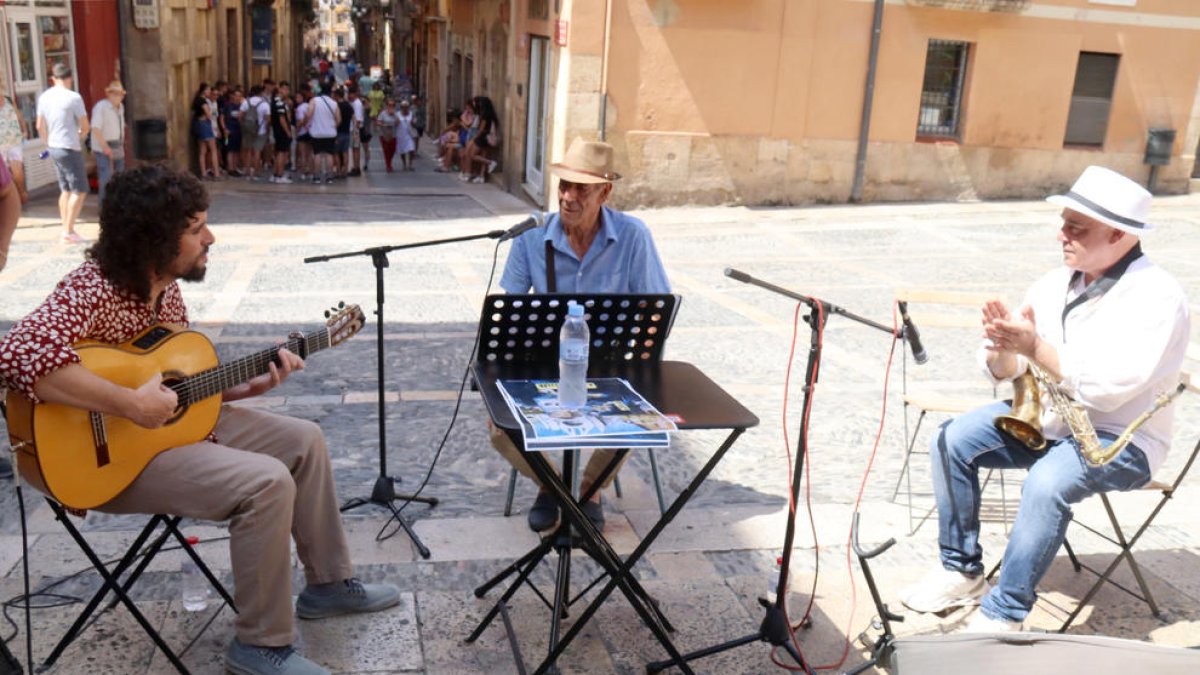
x: 384, y: 492
x: 774, y: 628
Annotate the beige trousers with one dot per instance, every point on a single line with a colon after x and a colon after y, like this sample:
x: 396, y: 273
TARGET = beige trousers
x: 516, y: 456
x: 270, y: 477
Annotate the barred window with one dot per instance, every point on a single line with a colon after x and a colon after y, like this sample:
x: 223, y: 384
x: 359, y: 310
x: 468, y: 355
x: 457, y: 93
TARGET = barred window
x: 1091, y: 98
x: 941, y: 92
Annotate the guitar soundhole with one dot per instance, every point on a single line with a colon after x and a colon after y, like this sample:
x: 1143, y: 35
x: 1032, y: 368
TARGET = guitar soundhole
x: 175, y: 381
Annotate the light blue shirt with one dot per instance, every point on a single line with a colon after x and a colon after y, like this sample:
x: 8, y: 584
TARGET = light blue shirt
x: 621, y: 259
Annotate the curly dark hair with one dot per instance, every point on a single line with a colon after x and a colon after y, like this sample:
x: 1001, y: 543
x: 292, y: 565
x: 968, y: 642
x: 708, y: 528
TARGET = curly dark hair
x: 144, y: 213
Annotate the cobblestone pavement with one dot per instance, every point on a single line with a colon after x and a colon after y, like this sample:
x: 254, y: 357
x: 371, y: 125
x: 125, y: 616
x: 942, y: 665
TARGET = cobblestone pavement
x: 716, y: 558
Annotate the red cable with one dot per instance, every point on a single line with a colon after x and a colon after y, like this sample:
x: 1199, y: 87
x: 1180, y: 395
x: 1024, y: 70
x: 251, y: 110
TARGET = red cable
x: 808, y: 490
x: 887, y: 374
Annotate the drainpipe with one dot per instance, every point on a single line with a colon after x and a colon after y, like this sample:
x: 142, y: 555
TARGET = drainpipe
x: 864, y: 132
x: 604, y: 72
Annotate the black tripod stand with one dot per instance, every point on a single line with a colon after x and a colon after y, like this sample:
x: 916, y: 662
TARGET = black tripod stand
x: 384, y: 493
x: 775, y: 628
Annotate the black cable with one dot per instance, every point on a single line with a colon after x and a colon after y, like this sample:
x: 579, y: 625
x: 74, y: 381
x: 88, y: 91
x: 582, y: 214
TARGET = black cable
x: 25, y: 568
x: 462, y: 387
x: 60, y: 600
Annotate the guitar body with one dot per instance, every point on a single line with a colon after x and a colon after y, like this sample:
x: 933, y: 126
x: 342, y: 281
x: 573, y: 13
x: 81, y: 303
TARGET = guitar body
x: 86, y: 459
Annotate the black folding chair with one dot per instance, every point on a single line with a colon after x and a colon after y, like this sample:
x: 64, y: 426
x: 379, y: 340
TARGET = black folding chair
x: 120, y: 577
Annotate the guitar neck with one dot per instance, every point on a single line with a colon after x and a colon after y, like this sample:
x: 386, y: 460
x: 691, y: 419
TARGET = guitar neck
x: 213, y: 381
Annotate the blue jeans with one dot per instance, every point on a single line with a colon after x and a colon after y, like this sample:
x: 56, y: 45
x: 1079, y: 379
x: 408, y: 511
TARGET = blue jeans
x: 1058, y: 477
x: 105, y: 170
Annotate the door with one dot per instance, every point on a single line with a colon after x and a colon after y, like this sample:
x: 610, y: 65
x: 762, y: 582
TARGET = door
x: 535, y: 119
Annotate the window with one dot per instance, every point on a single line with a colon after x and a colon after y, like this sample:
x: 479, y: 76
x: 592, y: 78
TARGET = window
x: 1091, y: 99
x: 941, y: 93
x: 341, y: 40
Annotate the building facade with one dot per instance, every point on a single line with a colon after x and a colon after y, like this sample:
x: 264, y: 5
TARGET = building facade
x: 761, y: 101
x: 161, y: 49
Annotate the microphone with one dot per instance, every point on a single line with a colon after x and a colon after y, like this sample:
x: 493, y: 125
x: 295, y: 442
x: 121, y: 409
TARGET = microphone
x: 911, y: 334
x: 535, y: 219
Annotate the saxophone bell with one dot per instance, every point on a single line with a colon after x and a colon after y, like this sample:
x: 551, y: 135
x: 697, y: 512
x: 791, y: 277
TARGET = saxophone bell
x: 1024, y: 421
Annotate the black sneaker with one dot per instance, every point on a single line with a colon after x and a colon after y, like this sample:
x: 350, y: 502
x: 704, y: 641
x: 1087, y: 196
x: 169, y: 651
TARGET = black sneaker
x: 543, y: 515
x: 354, y: 173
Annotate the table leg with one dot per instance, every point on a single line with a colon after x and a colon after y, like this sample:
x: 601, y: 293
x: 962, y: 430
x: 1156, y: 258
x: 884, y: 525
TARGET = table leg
x: 675, y: 508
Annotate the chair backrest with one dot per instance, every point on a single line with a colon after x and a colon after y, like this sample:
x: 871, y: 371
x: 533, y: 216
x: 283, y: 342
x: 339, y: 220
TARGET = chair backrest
x: 949, y: 323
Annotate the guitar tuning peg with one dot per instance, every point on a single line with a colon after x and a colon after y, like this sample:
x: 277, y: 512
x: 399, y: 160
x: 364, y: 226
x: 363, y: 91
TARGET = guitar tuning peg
x: 341, y: 304
x: 326, y: 314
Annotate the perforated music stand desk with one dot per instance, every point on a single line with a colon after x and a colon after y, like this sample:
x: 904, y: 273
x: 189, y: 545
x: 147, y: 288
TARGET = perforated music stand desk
x: 519, y: 340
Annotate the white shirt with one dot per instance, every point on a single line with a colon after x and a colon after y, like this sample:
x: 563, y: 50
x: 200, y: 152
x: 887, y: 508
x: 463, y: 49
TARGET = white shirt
x: 358, y: 110
x: 1121, y: 350
x: 264, y: 112
x: 107, y: 124
x: 62, y: 109
x: 301, y: 123
x: 324, y: 117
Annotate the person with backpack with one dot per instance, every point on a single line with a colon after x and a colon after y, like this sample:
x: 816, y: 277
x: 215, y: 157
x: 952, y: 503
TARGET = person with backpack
x: 253, y: 121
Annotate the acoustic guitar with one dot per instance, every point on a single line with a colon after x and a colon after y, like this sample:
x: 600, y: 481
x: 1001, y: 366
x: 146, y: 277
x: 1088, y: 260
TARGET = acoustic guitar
x: 84, y: 459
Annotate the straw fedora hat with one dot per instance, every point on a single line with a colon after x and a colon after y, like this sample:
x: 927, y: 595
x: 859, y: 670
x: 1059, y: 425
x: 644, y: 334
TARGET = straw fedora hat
x: 1110, y: 198
x: 114, y: 86
x: 587, y: 162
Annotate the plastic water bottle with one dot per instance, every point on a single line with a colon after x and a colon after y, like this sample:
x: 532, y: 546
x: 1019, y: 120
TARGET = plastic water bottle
x: 194, y: 583
x: 573, y: 359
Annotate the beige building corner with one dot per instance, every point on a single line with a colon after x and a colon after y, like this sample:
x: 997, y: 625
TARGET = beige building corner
x: 760, y: 102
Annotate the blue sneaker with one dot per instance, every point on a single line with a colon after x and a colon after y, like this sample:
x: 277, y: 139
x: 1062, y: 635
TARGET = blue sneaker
x: 345, y: 597
x: 244, y: 659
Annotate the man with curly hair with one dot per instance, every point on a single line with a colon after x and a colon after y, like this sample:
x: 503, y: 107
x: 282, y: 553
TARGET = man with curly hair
x: 267, y: 474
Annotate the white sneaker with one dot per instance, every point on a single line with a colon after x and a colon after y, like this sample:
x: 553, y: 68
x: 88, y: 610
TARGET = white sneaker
x: 943, y: 589
x: 283, y: 179
x: 982, y: 623
x: 492, y: 166
x: 271, y: 179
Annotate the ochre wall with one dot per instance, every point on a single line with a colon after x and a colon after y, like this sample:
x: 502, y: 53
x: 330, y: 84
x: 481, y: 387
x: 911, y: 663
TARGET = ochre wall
x: 760, y: 101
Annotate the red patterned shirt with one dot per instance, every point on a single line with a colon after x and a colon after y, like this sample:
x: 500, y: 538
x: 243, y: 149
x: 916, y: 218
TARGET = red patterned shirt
x: 85, y: 305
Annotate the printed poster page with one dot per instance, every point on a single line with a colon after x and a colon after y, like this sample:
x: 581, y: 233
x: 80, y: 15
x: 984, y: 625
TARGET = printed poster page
x: 615, y: 416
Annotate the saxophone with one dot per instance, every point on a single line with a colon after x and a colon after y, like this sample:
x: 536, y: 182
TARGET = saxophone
x: 1024, y: 422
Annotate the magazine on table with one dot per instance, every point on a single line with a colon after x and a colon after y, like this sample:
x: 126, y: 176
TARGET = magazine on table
x: 615, y: 416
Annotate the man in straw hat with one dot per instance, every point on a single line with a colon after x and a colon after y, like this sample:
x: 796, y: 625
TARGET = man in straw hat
x: 594, y: 250
x: 108, y: 134
x: 1109, y: 326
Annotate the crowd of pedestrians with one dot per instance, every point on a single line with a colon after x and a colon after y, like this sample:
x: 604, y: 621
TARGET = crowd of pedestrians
x: 322, y: 132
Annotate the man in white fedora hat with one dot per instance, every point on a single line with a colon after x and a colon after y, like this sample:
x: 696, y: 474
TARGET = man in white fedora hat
x: 592, y: 249
x: 1111, y: 328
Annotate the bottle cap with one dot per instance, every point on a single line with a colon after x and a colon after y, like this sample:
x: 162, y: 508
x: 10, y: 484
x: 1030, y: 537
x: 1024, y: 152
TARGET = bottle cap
x: 192, y: 541
x: 574, y: 309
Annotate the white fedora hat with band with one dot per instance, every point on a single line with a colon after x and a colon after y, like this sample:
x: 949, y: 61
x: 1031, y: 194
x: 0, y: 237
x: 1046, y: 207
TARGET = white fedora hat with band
x: 1110, y: 198
x: 587, y: 162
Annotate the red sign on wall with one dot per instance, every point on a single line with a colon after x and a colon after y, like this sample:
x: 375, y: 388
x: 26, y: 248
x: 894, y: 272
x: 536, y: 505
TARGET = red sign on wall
x: 560, y: 32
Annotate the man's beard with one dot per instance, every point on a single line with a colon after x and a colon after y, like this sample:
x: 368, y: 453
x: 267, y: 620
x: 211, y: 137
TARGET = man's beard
x: 195, y: 274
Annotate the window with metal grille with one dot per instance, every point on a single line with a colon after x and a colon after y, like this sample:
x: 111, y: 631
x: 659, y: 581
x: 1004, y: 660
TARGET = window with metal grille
x: 941, y: 93
x: 1091, y: 99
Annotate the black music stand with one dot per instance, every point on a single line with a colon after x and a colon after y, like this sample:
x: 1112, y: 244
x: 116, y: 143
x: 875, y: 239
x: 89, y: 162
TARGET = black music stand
x: 516, y: 345
x: 384, y: 494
